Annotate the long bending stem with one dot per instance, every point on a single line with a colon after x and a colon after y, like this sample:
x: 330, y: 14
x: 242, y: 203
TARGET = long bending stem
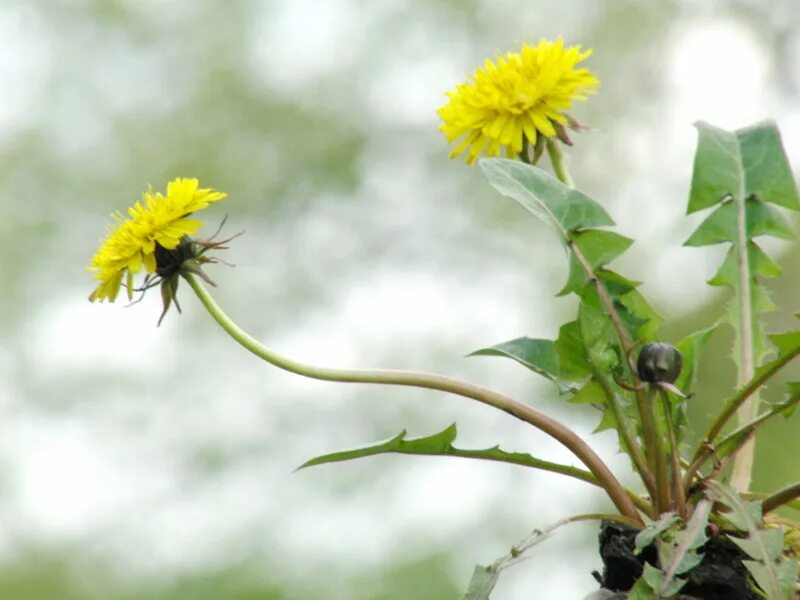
x: 555, y: 429
x: 781, y: 497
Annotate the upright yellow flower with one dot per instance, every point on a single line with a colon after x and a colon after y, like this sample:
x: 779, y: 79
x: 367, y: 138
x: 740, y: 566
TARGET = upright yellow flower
x: 156, y: 225
x: 521, y: 97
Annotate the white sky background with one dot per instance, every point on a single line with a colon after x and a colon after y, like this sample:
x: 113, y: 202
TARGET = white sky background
x: 69, y: 479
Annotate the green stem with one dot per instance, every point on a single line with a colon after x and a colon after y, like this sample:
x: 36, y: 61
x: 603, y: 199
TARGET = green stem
x: 663, y: 501
x: 524, y: 412
x: 780, y: 498
x: 678, y: 494
x: 643, y: 406
x: 736, y: 439
x: 743, y: 394
x: 761, y: 496
x: 628, y: 438
x: 743, y: 462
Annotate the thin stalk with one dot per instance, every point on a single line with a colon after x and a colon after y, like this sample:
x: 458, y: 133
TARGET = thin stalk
x: 678, y: 493
x: 743, y: 463
x: 524, y: 412
x: 515, y: 554
x: 697, y: 462
x: 732, y: 442
x: 761, y: 496
x: 628, y: 438
x: 663, y: 500
x: 643, y: 407
x: 780, y: 498
x: 744, y: 393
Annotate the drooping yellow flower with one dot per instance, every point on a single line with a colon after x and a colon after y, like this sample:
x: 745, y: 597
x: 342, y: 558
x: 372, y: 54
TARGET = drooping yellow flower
x: 154, y: 224
x: 521, y: 97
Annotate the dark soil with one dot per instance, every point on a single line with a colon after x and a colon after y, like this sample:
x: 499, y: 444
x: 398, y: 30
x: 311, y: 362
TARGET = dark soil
x: 720, y: 576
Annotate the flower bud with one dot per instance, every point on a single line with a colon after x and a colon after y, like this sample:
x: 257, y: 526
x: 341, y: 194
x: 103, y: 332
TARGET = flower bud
x: 659, y: 362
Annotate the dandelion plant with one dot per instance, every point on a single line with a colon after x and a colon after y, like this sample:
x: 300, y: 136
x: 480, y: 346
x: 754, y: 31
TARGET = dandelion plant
x: 691, y: 505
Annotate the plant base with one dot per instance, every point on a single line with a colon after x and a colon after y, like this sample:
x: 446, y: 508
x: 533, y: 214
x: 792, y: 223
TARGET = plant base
x: 720, y: 576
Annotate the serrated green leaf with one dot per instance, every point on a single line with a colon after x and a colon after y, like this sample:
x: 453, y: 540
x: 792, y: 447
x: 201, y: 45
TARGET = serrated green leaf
x: 438, y: 443
x: 783, y: 575
x: 721, y: 225
x: 538, y: 355
x: 599, y: 247
x: 681, y: 553
x: 788, y: 347
x: 638, y: 317
x: 562, y: 361
x: 760, y: 266
x: 656, y: 581
x: 481, y: 583
x: 616, y: 284
x: 652, y: 576
x: 651, y: 585
x: 789, y: 404
x: 597, y: 337
x: 640, y: 312
x: 717, y: 168
x: 563, y: 209
x: 751, y: 160
x: 607, y: 421
x: 691, y: 348
x: 655, y: 528
x: 441, y: 444
x: 761, y: 544
x: 767, y: 171
x: 788, y: 343
x: 642, y: 590
x: 749, y: 166
x: 769, y: 541
x: 743, y: 171
x: 571, y: 353
x: 744, y: 515
x: 591, y: 393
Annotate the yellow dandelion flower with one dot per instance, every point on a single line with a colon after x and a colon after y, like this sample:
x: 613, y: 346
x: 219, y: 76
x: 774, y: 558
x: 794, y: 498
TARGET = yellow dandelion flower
x: 519, y: 98
x: 154, y: 224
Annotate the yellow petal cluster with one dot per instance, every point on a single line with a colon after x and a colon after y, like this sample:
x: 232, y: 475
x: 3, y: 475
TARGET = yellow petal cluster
x: 521, y: 96
x: 156, y: 219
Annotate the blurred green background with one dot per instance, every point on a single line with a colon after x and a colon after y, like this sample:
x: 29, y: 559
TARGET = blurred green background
x: 138, y: 462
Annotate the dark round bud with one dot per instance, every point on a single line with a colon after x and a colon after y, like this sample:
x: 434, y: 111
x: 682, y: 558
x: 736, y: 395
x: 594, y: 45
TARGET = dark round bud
x: 659, y: 363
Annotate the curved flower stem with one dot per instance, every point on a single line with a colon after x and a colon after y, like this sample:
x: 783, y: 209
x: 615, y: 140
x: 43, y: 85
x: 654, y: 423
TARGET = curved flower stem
x: 524, y: 412
x: 643, y: 407
x: 780, y: 498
